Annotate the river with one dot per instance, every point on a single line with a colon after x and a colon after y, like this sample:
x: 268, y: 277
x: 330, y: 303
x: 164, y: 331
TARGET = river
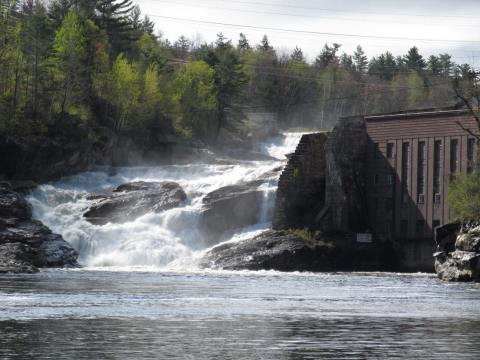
x: 141, y: 294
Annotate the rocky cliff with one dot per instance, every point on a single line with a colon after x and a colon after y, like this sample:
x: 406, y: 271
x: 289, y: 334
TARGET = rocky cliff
x: 26, y: 244
x: 458, y: 252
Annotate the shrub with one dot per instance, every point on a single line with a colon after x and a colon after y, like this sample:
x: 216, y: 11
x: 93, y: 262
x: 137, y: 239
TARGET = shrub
x: 464, y: 197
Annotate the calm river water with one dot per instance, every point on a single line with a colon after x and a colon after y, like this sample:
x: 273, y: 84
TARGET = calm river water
x: 88, y: 314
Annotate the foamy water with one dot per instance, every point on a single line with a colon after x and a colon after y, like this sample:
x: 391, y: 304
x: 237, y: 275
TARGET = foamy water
x: 170, y: 239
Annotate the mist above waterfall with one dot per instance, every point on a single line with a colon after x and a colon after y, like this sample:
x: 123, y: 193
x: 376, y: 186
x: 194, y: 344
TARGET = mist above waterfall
x: 167, y: 239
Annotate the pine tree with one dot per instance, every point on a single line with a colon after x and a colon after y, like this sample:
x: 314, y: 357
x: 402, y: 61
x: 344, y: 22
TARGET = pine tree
x: 360, y: 60
x: 297, y: 55
x: 328, y: 56
x: 243, y: 43
x: 414, y: 61
x: 264, y: 45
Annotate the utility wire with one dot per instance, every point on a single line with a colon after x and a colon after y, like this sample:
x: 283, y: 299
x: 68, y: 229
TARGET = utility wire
x: 196, y: 5
x: 310, y: 32
x: 287, y: 6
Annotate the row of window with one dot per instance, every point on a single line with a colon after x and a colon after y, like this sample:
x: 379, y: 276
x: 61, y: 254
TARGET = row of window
x: 454, y: 158
x: 422, y: 163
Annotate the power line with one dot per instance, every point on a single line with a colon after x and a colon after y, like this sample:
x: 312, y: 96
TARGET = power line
x: 301, y: 16
x: 311, y: 32
x: 287, y: 6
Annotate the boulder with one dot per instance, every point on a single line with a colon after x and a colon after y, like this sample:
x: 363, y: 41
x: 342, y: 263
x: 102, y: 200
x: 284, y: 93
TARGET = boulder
x: 27, y: 244
x: 458, y: 252
x: 132, y: 200
x: 228, y: 208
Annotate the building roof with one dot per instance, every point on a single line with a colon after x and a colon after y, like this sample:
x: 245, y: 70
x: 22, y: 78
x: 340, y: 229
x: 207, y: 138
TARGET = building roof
x: 418, y: 113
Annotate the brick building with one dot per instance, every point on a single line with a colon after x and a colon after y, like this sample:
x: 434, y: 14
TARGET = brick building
x: 411, y: 158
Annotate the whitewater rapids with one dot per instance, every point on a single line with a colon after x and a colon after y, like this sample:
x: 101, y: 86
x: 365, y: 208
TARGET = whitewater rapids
x: 169, y: 239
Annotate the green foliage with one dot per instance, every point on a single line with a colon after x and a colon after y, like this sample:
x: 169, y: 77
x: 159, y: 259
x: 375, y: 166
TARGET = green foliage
x: 194, y: 99
x: 124, y: 92
x: 68, y: 65
x: 464, y: 197
x: 60, y: 69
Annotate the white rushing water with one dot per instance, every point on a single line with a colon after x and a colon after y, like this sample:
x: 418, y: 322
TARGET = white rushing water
x: 168, y: 239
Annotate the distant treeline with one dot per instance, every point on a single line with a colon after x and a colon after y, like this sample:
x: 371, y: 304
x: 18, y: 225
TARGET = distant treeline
x: 69, y: 66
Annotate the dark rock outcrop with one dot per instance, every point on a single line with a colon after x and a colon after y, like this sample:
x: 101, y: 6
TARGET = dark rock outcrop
x: 289, y: 251
x: 458, y: 252
x: 301, y: 188
x: 130, y: 201
x: 26, y: 244
x: 44, y: 158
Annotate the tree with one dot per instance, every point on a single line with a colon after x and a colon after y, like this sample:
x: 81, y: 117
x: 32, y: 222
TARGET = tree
x: 181, y: 47
x: 434, y: 65
x: 243, y: 44
x: 346, y: 61
x: 222, y: 43
x: 194, y: 99
x: 385, y: 66
x: 446, y: 65
x: 68, y: 60
x: 297, y: 55
x: 265, y: 45
x: 464, y: 197
x: 125, y: 92
x: 328, y: 56
x: 414, y: 61
x: 360, y: 60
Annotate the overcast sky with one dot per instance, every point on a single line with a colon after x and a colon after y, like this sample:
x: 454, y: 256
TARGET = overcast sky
x: 455, y: 24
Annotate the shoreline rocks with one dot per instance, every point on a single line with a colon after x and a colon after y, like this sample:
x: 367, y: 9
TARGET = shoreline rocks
x: 133, y: 200
x: 458, y: 252
x: 26, y: 244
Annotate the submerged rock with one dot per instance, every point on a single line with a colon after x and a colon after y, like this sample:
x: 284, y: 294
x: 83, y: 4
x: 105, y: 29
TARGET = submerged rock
x: 458, y: 252
x: 26, y: 244
x: 290, y: 251
x: 132, y: 200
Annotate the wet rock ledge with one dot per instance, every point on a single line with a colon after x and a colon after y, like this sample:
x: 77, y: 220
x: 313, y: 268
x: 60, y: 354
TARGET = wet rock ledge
x: 458, y: 252
x: 26, y: 244
x: 301, y: 250
x: 132, y: 200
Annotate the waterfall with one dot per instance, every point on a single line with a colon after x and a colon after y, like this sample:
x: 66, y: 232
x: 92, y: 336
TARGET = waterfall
x: 155, y: 239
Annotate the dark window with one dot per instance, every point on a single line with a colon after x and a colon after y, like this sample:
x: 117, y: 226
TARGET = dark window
x: 420, y: 227
x: 453, y: 156
x: 390, y: 150
x: 376, y: 179
x: 404, y: 228
x: 405, y: 170
x: 437, y: 166
x: 471, y: 148
x: 375, y: 207
x: 376, y: 151
x: 389, y: 207
x: 391, y: 179
x: 421, y: 168
x: 388, y: 229
x: 436, y: 223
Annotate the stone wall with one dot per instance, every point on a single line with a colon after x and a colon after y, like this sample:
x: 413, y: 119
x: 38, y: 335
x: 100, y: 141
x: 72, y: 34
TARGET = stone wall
x: 301, y: 188
x: 345, y: 201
